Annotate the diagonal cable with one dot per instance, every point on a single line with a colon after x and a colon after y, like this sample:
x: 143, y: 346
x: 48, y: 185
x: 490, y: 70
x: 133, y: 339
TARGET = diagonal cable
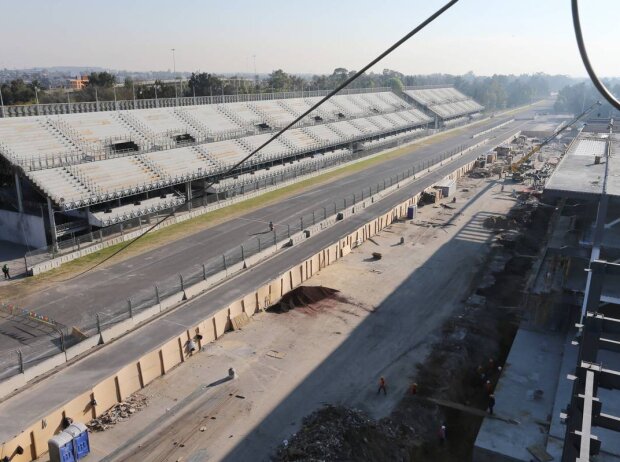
x: 344, y: 84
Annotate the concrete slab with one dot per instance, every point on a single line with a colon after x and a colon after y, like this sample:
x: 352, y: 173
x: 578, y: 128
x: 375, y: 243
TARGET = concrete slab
x: 531, y: 370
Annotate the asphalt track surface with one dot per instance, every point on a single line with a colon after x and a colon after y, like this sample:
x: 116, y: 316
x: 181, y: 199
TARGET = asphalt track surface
x: 38, y: 401
x: 74, y: 302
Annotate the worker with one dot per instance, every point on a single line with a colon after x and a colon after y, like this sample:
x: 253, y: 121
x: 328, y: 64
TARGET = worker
x: 5, y: 270
x: 414, y: 388
x: 491, y: 403
x: 271, y: 226
x: 488, y: 387
x: 382, y: 386
x: 442, y: 433
x: 454, y: 200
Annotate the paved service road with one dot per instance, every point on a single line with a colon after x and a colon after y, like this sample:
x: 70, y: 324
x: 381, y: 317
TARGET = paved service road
x: 75, y: 302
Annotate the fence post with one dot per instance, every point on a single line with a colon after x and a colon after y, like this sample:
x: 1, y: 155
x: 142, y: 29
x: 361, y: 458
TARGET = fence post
x: 98, y: 323
x: 130, y: 308
x: 224, y: 258
x: 20, y: 359
x: 182, y: 283
x: 259, y: 249
x: 324, y: 213
x: 288, y: 230
x: 242, y: 254
x: 301, y: 223
x: 274, y: 237
x: 313, y: 218
x: 157, y: 294
x: 204, y: 272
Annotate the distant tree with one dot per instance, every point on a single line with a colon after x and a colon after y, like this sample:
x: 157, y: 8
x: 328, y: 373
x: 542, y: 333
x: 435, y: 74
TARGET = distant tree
x: 204, y: 84
x: 101, y: 79
x: 17, y: 92
x: 396, y: 85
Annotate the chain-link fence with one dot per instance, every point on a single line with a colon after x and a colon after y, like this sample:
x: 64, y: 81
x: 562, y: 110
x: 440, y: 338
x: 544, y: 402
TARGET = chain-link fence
x: 228, y: 262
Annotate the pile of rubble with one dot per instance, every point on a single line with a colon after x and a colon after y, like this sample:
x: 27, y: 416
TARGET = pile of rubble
x: 338, y: 433
x: 118, y: 413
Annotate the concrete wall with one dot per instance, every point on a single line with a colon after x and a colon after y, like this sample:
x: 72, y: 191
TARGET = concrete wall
x: 22, y: 229
x: 173, y: 351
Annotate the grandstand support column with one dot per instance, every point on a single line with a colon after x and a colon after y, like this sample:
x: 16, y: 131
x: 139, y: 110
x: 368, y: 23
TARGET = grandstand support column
x: 188, y: 195
x: 18, y: 188
x: 50, y: 211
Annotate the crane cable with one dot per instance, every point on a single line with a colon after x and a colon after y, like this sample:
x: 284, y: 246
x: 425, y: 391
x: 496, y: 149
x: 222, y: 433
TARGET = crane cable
x: 600, y: 86
x: 344, y: 84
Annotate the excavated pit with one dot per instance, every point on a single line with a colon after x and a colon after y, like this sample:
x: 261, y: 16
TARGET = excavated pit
x: 308, y: 299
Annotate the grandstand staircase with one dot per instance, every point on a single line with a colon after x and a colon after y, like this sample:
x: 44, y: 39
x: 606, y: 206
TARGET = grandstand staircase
x: 290, y: 110
x: 67, y: 135
x: 312, y: 135
x: 213, y: 162
x: 367, y: 110
x: 152, y: 167
x: 397, y: 121
x: 199, y: 129
x: 286, y: 141
x: 147, y: 137
x: 358, y: 126
x: 338, y: 132
x: 376, y: 124
x: 72, y: 173
x: 342, y: 109
x: 390, y: 103
x: 233, y: 117
x: 320, y: 112
x: 266, y: 119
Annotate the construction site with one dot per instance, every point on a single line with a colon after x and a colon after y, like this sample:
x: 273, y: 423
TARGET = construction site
x: 396, y: 272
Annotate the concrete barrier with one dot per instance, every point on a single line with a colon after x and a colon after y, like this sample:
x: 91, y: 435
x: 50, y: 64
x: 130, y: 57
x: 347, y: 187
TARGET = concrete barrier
x: 44, y: 366
x: 80, y: 348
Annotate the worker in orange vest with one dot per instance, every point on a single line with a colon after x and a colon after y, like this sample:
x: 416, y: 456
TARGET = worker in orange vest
x: 414, y: 388
x: 382, y: 386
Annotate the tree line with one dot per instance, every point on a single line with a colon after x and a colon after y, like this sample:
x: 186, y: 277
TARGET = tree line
x: 494, y: 92
x: 573, y: 99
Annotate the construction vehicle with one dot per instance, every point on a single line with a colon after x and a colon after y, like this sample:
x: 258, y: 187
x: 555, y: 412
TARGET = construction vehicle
x: 517, y: 167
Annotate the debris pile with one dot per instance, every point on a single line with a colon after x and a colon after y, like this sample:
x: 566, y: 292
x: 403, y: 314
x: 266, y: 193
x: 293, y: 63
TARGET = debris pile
x: 338, y: 433
x: 118, y: 413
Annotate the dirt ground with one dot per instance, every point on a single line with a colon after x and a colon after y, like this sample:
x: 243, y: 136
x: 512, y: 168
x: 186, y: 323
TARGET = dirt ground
x: 386, y: 320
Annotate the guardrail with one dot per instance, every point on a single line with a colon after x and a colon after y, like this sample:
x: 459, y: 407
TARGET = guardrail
x: 503, y: 124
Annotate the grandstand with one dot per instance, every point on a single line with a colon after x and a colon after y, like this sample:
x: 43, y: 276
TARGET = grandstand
x: 74, y: 173
x: 446, y: 105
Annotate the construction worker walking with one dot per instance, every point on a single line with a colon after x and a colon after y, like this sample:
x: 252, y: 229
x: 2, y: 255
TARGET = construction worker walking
x: 442, y: 434
x: 491, y: 403
x: 5, y: 270
x: 382, y: 386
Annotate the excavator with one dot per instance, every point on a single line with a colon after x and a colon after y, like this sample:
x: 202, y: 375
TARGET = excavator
x: 516, y: 167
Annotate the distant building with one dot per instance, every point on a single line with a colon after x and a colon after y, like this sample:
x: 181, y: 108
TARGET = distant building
x: 79, y: 82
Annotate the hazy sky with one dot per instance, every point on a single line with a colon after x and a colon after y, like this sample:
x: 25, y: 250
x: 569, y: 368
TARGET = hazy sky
x: 483, y: 36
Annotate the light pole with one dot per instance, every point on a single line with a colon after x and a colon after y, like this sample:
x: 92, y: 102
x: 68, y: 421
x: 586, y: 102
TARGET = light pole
x: 174, y: 76
x: 1, y: 103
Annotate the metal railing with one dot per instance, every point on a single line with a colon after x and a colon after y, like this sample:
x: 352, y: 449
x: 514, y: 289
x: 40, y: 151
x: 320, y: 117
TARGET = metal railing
x: 27, y: 110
